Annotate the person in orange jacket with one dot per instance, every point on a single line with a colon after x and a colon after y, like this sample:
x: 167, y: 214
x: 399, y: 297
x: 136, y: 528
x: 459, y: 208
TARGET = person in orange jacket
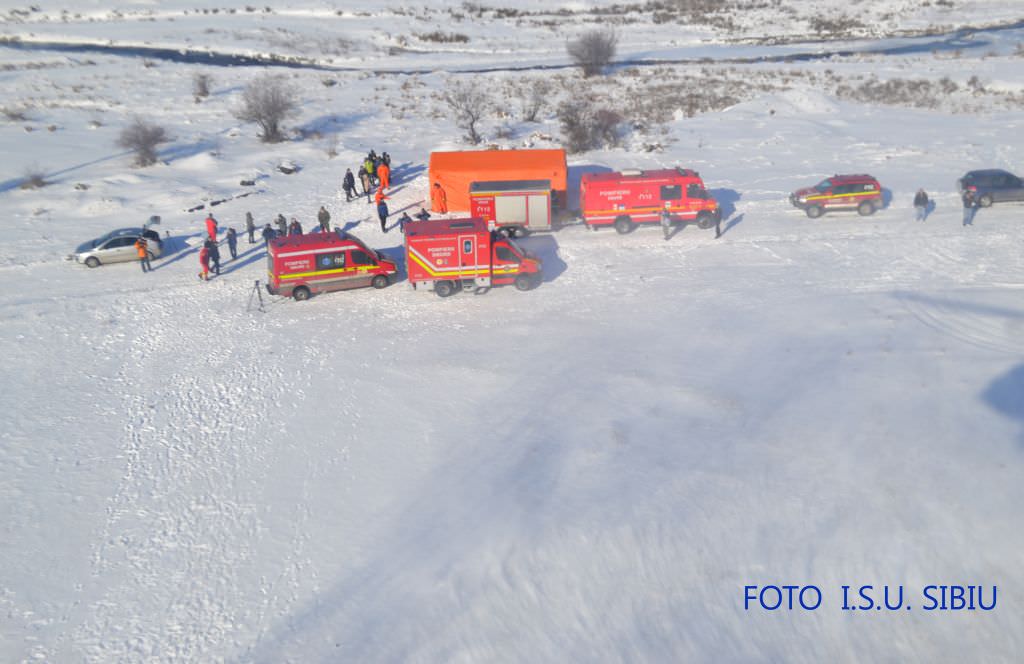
x: 438, y: 199
x: 211, y: 227
x: 142, y: 247
x: 384, y: 175
x: 204, y: 262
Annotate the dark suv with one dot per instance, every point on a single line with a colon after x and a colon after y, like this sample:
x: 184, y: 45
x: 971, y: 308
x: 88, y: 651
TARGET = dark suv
x: 992, y: 185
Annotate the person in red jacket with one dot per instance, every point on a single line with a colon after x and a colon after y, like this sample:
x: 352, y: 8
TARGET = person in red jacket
x: 211, y: 227
x: 204, y: 261
x: 384, y: 175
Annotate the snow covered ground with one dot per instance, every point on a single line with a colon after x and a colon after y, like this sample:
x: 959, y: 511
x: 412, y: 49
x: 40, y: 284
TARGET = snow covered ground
x: 591, y: 471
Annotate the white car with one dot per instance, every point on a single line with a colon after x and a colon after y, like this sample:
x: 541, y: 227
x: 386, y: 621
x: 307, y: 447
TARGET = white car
x: 117, y: 247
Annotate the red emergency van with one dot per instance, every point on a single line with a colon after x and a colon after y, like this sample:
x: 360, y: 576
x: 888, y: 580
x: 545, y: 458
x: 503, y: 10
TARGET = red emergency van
x: 449, y: 255
x: 624, y: 199
x: 515, y: 207
x: 301, y: 265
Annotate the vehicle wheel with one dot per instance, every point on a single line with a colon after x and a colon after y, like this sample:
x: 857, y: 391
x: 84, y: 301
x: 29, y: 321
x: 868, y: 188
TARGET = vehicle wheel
x: 519, y: 231
x: 380, y: 281
x: 505, y: 231
x: 814, y: 211
x: 866, y: 209
x: 705, y: 220
x: 92, y: 261
x: 301, y: 293
x: 444, y: 288
x: 525, y: 282
x: 985, y: 200
x: 624, y: 225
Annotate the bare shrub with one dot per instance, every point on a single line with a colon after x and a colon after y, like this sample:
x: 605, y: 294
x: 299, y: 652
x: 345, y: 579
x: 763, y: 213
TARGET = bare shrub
x: 534, y: 98
x: 267, y: 101
x: 201, y: 85
x: 443, y: 37
x: 593, y: 51
x: 14, y: 113
x: 586, y: 128
x: 469, y: 104
x: 142, y: 138
x: 33, y: 178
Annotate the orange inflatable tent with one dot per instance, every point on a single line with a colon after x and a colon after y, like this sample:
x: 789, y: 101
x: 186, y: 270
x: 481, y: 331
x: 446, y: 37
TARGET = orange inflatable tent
x: 457, y: 170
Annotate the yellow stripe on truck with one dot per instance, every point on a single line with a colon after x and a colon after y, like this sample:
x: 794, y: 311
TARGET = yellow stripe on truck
x: 320, y: 273
x: 455, y: 272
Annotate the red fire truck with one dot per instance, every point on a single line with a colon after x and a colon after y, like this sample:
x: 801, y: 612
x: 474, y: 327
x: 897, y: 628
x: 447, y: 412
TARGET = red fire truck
x: 301, y: 265
x: 624, y: 199
x: 515, y: 207
x: 449, y: 255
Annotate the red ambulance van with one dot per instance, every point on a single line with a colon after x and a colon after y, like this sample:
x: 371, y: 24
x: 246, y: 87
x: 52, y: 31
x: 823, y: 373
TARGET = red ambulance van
x: 301, y: 265
x: 624, y: 199
x: 449, y: 255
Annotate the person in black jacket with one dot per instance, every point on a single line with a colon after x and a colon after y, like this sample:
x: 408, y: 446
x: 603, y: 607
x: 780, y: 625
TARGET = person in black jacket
x: 213, y: 250
x: 324, y: 217
x: 232, y: 238
x: 268, y: 235
x: 921, y: 205
x: 250, y: 227
x: 349, y: 185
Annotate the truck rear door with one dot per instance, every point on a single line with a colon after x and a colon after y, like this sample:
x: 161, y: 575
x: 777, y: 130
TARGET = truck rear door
x: 469, y: 259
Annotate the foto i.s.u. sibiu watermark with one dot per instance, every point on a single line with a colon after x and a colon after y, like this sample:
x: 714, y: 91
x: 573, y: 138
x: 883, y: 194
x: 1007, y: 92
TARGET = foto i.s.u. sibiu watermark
x: 935, y: 597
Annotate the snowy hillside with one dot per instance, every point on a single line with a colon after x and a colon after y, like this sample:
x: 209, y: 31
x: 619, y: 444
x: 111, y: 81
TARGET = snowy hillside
x: 591, y: 471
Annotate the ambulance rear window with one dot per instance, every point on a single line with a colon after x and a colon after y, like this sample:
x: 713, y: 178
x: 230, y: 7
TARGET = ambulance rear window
x: 330, y: 261
x: 671, y: 192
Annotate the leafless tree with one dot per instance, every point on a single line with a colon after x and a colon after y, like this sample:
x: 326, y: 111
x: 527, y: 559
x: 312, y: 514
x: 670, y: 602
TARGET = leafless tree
x: 585, y: 127
x: 593, y: 50
x: 535, y: 97
x: 142, y: 138
x: 469, y: 104
x: 201, y: 85
x: 267, y: 101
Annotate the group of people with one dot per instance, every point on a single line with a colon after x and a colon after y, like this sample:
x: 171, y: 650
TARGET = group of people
x: 209, y: 253
x: 923, y: 205
x: 375, y: 171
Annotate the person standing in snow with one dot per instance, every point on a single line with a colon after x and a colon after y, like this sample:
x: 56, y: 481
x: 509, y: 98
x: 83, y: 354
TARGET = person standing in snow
x: 382, y: 210
x: 370, y: 166
x: 268, y: 235
x: 364, y: 179
x: 423, y: 215
x: 970, y: 207
x: 232, y: 243
x: 349, y: 185
x: 324, y: 217
x: 211, y: 227
x: 295, y: 228
x: 403, y: 220
x: 213, y: 251
x: 920, y: 205
x: 142, y: 247
x: 204, y: 262
x: 438, y: 199
x: 666, y: 223
x: 250, y: 227
x: 385, y: 159
x: 282, y: 226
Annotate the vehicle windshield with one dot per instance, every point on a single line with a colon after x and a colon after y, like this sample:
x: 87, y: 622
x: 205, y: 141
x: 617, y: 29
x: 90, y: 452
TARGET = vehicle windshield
x: 824, y: 185
x: 516, y: 248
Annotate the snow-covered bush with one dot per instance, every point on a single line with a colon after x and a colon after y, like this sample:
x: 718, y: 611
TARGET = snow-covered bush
x: 585, y: 127
x: 593, y: 50
x: 468, y: 103
x: 268, y: 101
x: 142, y: 138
